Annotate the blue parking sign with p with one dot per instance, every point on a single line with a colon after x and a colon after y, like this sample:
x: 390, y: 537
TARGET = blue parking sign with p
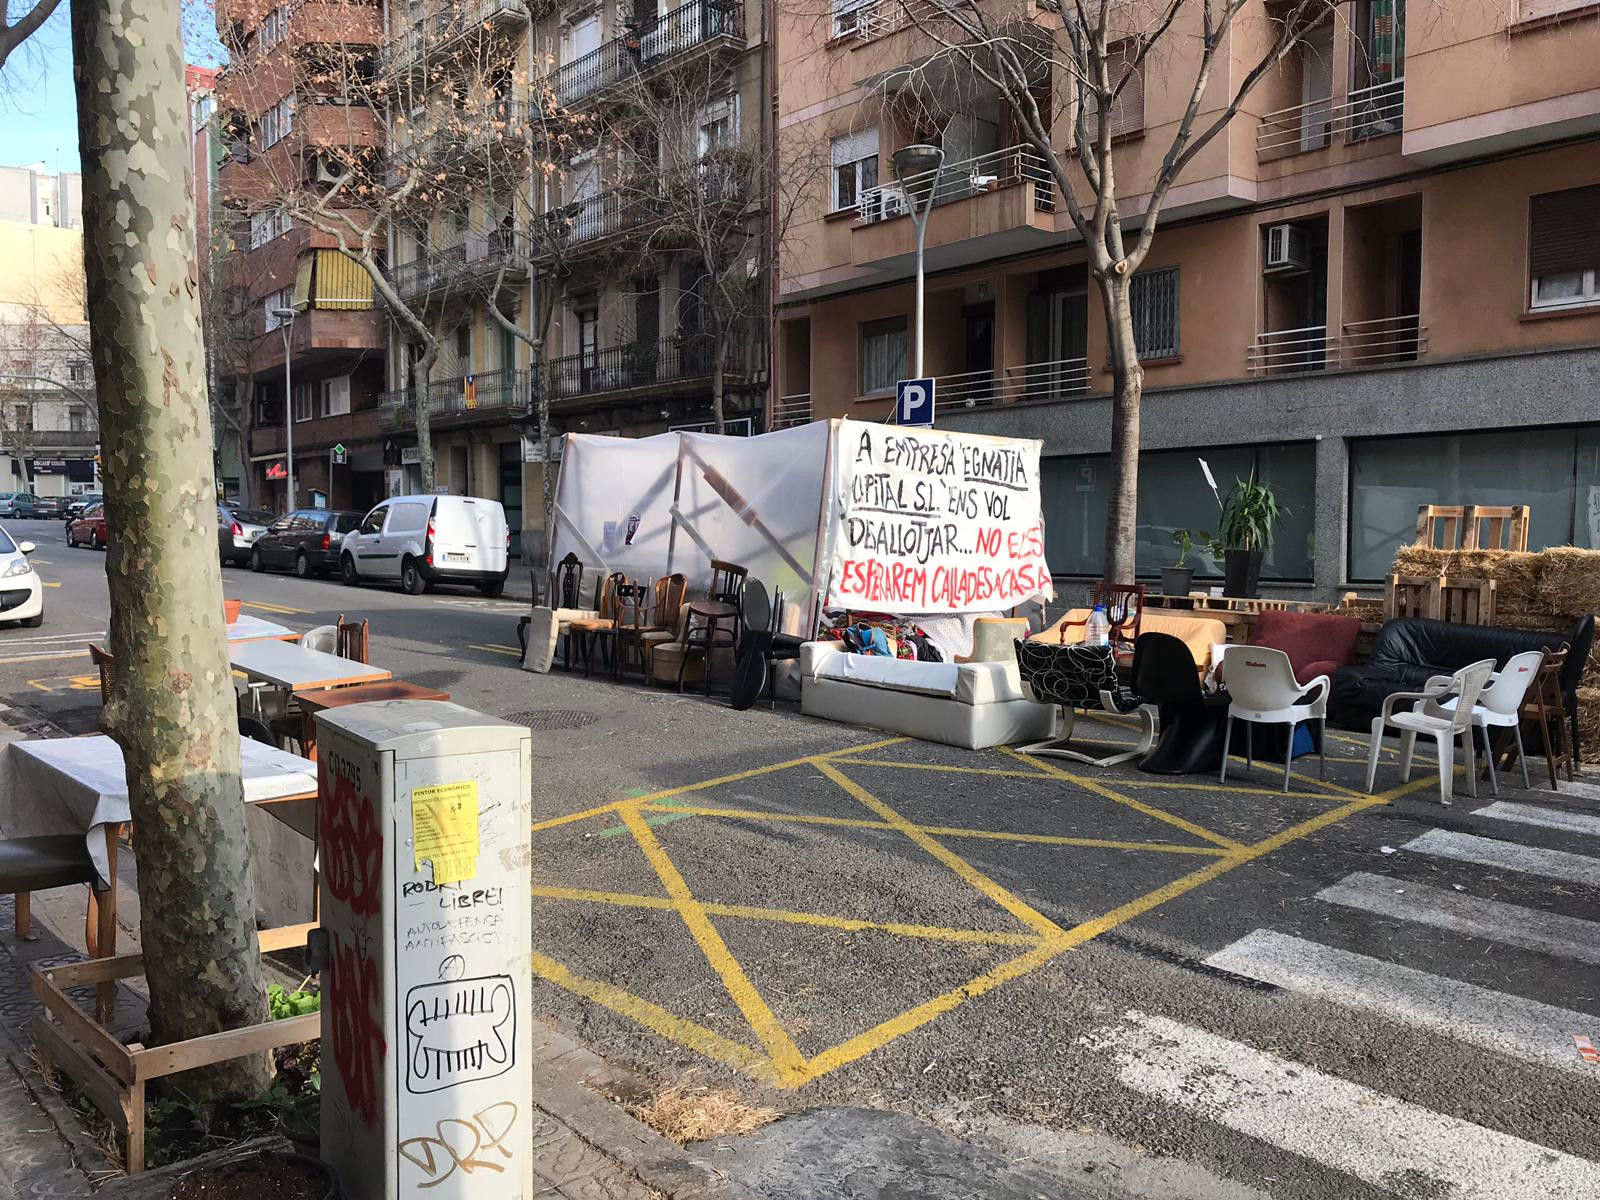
x: 913, y: 402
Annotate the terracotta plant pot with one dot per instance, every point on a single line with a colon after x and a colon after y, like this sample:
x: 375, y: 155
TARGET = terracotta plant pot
x: 230, y: 610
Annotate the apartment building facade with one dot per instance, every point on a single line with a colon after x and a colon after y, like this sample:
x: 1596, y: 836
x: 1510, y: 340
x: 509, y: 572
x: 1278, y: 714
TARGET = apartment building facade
x: 566, y: 235
x: 1377, y: 288
x: 284, y: 293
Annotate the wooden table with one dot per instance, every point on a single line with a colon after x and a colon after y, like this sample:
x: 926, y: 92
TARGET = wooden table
x: 313, y: 702
x: 294, y: 668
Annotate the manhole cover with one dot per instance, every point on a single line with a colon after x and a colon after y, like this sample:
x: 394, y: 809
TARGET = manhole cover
x: 553, y: 718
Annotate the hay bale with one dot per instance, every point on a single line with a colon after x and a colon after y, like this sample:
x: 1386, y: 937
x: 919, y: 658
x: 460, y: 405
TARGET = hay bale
x: 1516, y: 573
x: 1569, y: 581
x: 1589, y: 723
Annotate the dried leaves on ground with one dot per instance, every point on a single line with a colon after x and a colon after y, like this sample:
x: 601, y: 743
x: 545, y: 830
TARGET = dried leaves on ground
x: 695, y: 1113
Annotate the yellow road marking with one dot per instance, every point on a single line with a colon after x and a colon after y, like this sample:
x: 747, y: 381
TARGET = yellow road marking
x: 510, y: 650
x: 880, y: 1035
x: 1090, y: 785
x: 276, y: 608
x: 46, y: 657
x: 654, y: 1017
x: 907, y: 766
x: 736, y: 777
x: 1019, y: 909
x: 1046, y: 839
x: 46, y: 583
x: 787, y: 916
x: 786, y: 1056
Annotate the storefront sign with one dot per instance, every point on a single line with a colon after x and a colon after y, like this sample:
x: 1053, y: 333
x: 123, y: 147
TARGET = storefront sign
x: 410, y: 455
x: 927, y: 522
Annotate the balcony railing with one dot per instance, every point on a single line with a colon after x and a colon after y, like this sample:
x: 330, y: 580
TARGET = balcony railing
x: 636, y: 365
x: 489, y: 393
x: 959, y: 180
x: 467, y: 131
x: 429, y: 272
x: 865, y: 20
x: 1372, y: 343
x: 435, y: 33
x: 479, y: 256
x: 1367, y: 113
x: 792, y: 410
x: 604, y: 214
x: 645, y: 46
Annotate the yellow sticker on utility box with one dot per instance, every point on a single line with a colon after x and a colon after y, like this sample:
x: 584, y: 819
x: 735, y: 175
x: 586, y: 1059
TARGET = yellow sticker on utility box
x: 444, y: 830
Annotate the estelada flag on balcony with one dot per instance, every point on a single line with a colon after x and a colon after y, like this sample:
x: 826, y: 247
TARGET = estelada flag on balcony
x: 926, y: 521
x: 469, y: 391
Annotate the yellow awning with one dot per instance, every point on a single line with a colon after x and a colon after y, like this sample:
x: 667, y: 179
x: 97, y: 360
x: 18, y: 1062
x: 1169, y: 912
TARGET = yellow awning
x: 302, y: 282
x: 341, y: 282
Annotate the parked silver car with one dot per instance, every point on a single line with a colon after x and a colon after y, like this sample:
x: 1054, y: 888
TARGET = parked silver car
x: 237, y: 531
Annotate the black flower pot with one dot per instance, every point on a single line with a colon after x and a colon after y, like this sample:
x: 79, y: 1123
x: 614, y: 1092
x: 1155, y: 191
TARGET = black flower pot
x: 1176, y: 581
x: 1242, y: 573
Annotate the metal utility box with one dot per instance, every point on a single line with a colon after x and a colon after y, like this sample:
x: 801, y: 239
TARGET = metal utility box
x: 426, y: 1052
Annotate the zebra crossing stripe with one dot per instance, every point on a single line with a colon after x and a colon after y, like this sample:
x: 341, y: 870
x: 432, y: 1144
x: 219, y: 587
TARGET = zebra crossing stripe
x: 1494, y: 1020
x: 1486, y: 852
x: 1589, y: 791
x: 1390, y: 1144
x: 1474, y: 916
x: 1545, y: 818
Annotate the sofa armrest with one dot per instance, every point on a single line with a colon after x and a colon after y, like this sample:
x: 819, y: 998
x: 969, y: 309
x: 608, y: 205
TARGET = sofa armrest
x: 814, y: 654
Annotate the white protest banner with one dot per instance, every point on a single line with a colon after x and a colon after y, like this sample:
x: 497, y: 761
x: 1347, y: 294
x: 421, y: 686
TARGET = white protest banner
x: 926, y: 521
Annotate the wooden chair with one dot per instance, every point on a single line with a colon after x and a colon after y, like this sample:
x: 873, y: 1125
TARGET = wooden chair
x: 1124, y: 604
x: 715, y: 623
x: 670, y: 591
x: 631, y: 606
x: 37, y: 864
x: 109, y: 674
x: 1461, y: 526
x: 354, y: 640
x: 1544, y: 706
x: 587, y: 629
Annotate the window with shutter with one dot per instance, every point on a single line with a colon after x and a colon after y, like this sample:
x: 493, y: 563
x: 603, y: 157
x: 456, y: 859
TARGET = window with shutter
x: 1537, y: 10
x: 1564, y: 248
x: 1127, y: 110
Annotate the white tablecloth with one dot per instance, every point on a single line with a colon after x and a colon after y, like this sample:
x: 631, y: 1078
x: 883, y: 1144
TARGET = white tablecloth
x: 254, y: 629
x: 76, y: 785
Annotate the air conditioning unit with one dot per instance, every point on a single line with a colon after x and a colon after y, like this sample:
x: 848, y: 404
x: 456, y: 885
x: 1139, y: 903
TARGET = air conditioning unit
x: 330, y: 169
x: 1288, y: 250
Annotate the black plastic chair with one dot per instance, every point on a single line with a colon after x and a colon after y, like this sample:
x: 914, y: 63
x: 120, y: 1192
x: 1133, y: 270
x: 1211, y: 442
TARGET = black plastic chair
x: 257, y: 731
x: 1192, y: 723
x: 761, y: 646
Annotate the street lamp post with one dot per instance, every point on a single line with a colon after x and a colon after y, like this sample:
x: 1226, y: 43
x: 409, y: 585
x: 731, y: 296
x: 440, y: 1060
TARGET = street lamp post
x: 286, y: 326
x: 917, y: 167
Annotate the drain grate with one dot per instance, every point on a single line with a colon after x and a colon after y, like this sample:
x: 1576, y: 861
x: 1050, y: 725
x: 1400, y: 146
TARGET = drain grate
x: 553, y: 718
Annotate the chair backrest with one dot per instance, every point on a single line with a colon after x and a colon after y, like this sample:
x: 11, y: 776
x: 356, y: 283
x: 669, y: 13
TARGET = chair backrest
x: 1164, y: 671
x: 354, y: 640
x: 568, y: 582
x: 1505, y: 694
x: 256, y: 731
x: 324, y: 638
x: 1072, y: 675
x: 727, y: 582
x: 1467, y: 684
x: 670, y: 590
x: 108, y: 671
x: 1260, y: 678
x: 1124, y: 608
x: 631, y: 604
x: 607, y: 605
x: 755, y: 606
x: 1545, y: 696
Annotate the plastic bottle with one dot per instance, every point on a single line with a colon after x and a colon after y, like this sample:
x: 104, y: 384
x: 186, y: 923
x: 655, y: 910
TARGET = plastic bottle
x: 1098, y: 630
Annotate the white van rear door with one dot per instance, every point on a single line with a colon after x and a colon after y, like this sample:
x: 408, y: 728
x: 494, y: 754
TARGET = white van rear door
x: 469, y: 533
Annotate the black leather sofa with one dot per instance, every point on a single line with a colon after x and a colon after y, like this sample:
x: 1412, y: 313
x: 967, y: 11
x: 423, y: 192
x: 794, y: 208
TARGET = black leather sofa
x: 1411, y: 650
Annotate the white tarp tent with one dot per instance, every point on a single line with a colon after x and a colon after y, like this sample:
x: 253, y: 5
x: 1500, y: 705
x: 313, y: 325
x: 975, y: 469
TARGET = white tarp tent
x: 846, y: 513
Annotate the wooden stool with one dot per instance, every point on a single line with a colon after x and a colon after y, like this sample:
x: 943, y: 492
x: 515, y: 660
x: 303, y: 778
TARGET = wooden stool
x: 1545, y: 706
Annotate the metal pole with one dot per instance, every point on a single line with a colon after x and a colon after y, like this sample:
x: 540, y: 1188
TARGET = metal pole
x: 288, y: 414
x: 922, y: 231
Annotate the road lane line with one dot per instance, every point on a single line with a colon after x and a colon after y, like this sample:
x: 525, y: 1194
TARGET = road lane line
x: 1546, y: 818
x: 1474, y: 916
x: 1589, y: 791
x: 1486, y: 852
x: 1387, y: 1143
x: 46, y: 657
x: 282, y: 609
x: 512, y: 651
x: 1506, y: 1024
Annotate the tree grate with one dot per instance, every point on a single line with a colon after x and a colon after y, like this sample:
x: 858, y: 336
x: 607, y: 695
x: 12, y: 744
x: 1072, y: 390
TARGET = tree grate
x: 553, y: 718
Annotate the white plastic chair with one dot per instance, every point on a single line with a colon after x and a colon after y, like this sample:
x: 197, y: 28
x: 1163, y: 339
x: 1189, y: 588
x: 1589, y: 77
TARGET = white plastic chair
x: 1263, y: 691
x: 322, y: 637
x: 1499, y: 706
x: 1444, y: 726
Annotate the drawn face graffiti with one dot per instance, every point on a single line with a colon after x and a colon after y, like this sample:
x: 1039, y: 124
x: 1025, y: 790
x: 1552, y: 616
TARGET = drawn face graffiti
x: 351, y: 842
x: 358, y: 1043
x: 459, y: 1031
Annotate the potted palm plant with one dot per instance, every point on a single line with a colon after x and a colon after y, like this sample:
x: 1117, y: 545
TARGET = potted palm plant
x: 1177, y: 580
x: 1250, y: 517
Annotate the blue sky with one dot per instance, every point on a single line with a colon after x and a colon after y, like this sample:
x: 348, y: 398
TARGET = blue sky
x: 38, y: 114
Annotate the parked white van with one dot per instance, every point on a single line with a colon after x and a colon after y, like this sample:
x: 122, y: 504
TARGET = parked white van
x: 424, y: 540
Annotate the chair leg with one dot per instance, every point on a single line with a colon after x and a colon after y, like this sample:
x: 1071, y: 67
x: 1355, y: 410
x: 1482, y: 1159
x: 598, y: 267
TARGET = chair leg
x: 1447, y: 767
x: 1227, y: 741
x: 1469, y: 756
x: 1488, y: 754
x: 1374, y: 744
x: 1549, y: 751
x: 1249, y: 745
x: 1322, y: 747
x: 1288, y: 755
x: 24, y: 905
x: 1408, y: 748
x: 1522, y: 758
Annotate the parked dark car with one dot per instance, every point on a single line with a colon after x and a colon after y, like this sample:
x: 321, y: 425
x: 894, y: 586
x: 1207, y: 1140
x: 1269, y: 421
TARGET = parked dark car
x: 237, y: 531
x: 306, y: 542
x: 89, y: 528
x: 79, y: 505
x: 49, y: 506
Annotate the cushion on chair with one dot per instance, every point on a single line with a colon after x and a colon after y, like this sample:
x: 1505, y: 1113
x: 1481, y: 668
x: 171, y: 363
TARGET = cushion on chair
x: 1316, y: 643
x: 36, y: 864
x: 592, y: 625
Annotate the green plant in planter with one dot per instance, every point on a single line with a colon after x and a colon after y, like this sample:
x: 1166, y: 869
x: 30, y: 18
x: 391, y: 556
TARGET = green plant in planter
x: 1186, y: 541
x: 1250, y: 516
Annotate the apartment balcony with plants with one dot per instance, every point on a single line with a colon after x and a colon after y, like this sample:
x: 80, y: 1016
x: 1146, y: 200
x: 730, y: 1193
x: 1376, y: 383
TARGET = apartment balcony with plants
x: 427, y: 36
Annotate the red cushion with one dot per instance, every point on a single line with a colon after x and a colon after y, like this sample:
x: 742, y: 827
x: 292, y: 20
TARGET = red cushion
x: 1316, y: 643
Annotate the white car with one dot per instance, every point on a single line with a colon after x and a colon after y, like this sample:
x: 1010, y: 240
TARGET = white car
x: 423, y: 540
x: 21, y: 593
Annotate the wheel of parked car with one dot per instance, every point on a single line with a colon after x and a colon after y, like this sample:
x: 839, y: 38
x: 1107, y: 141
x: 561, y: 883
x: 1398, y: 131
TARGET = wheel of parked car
x: 493, y: 588
x: 302, y: 565
x: 96, y: 542
x: 411, y: 581
x: 347, y: 571
x: 255, y: 561
x: 70, y: 543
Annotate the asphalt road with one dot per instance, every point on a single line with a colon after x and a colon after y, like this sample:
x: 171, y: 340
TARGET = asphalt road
x: 1164, y: 985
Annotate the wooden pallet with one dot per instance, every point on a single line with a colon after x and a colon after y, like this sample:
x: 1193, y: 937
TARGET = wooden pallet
x: 1473, y: 526
x: 113, y: 1074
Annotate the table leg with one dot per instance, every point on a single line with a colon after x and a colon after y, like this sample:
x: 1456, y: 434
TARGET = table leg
x: 308, y: 735
x: 24, y: 907
x: 106, y: 930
